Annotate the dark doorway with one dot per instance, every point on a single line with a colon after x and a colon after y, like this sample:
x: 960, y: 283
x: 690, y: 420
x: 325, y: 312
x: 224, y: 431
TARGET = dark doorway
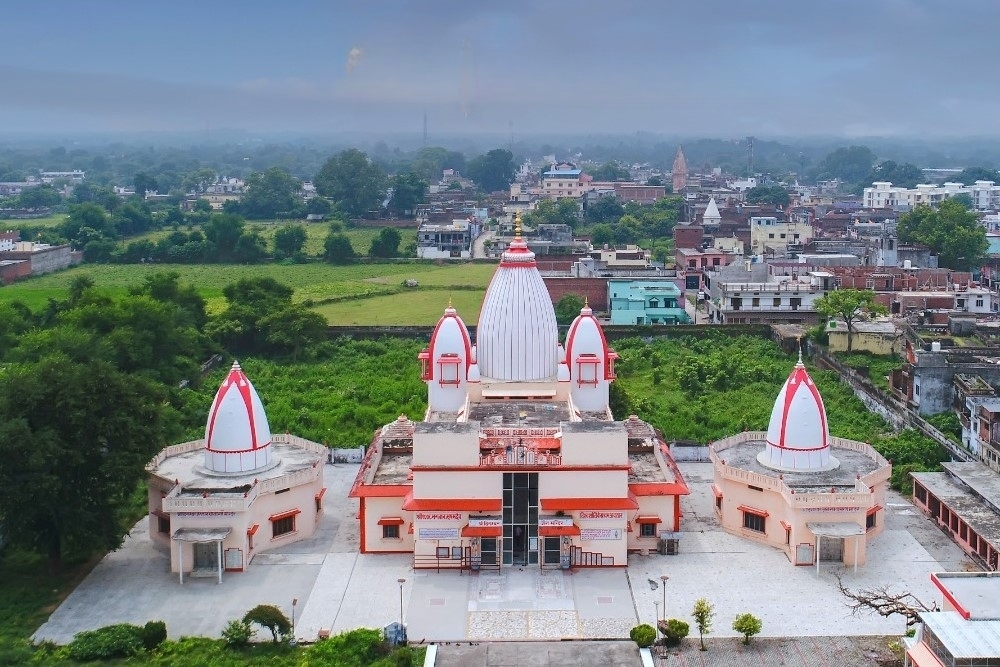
x: 520, y: 518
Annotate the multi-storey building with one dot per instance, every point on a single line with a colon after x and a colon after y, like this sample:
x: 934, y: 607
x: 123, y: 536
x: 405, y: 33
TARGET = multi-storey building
x: 965, y: 629
x: 768, y: 234
x: 646, y: 302
x: 985, y: 195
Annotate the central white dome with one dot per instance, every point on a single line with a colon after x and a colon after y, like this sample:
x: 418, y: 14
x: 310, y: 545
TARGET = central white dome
x: 798, y: 437
x: 517, y: 339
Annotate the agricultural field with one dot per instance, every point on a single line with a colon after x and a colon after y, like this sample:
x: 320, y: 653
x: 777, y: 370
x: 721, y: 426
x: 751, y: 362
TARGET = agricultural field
x: 47, y: 221
x: 419, y: 307
x: 316, y: 283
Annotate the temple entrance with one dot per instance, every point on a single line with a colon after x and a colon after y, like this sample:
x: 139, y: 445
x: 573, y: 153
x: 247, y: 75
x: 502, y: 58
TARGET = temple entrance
x: 832, y: 549
x: 520, y: 518
x: 206, y: 556
x: 553, y: 551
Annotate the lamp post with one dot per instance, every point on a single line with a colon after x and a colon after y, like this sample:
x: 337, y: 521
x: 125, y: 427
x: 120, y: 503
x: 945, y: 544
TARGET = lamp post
x: 656, y: 626
x: 401, y: 581
x: 295, y: 601
x: 663, y: 579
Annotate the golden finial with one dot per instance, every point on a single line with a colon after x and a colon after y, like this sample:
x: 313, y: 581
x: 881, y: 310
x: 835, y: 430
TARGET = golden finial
x: 449, y: 302
x: 798, y: 341
x: 586, y: 301
x: 517, y: 225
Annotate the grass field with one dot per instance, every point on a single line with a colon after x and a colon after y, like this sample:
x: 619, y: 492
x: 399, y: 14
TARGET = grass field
x: 47, y: 221
x: 316, y: 282
x: 416, y: 307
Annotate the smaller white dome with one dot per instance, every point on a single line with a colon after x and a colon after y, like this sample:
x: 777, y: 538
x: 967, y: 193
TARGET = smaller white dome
x: 451, y: 336
x: 237, y: 435
x: 798, y: 436
x: 585, y: 336
x: 474, y: 373
x: 563, y: 372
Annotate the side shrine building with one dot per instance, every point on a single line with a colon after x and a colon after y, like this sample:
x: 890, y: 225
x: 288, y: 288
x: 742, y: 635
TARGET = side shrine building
x: 796, y: 487
x: 518, y: 459
x: 217, y: 502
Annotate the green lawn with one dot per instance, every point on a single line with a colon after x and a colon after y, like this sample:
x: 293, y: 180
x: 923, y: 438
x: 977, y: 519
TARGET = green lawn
x: 409, y: 307
x: 47, y: 221
x: 314, y: 281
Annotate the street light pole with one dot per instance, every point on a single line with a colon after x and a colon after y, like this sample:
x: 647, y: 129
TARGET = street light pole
x: 656, y: 626
x: 401, y: 581
x: 295, y: 601
x: 663, y: 579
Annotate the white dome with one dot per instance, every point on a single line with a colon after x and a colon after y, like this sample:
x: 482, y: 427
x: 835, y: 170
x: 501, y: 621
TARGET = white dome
x: 587, y: 362
x: 237, y: 435
x: 798, y: 436
x: 517, y: 338
x: 447, y: 359
x: 712, y: 211
x: 451, y: 336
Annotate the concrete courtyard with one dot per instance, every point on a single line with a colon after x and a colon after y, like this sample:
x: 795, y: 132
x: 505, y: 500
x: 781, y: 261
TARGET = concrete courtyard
x: 338, y: 589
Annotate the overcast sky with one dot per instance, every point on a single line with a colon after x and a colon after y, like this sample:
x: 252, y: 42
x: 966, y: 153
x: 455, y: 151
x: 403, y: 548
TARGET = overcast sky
x: 717, y: 68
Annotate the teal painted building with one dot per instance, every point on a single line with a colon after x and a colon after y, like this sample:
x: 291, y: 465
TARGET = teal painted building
x: 646, y: 302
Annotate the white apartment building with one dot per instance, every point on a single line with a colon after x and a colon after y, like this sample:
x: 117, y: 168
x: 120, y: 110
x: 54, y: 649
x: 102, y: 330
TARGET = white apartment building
x: 985, y: 195
x: 768, y: 233
x: 788, y: 300
x: 559, y: 183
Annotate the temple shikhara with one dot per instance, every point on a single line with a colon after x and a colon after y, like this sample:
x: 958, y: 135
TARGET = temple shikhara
x: 796, y: 487
x: 216, y: 502
x: 518, y: 459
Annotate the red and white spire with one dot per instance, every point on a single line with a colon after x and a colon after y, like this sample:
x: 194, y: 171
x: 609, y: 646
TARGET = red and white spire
x: 590, y: 362
x: 237, y: 435
x: 798, y: 437
x: 447, y: 363
x: 517, y: 339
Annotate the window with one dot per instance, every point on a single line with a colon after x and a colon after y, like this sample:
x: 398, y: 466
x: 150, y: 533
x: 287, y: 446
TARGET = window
x: 870, y: 520
x: 718, y: 503
x: 754, y: 522
x: 390, y: 532
x: 979, y: 303
x: 770, y: 236
x: 777, y: 301
x: 163, y: 523
x: 647, y: 530
x: 284, y: 526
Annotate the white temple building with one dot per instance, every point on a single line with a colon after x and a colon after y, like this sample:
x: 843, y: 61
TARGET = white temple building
x: 518, y: 459
x: 217, y: 502
x: 798, y: 488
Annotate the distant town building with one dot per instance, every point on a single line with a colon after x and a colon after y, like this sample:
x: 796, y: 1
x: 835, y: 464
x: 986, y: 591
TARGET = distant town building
x: 440, y: 240
x: 564, y: 180
x: 679, y: 171
x: 882, y: 194
x: 646, y: 302
x: 75, y: 176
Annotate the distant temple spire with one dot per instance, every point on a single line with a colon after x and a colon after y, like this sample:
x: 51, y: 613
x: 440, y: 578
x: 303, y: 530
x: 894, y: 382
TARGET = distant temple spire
x: 679, y: 172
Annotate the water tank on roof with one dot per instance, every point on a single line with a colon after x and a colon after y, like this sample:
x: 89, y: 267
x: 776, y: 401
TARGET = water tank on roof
x: 935, y: 346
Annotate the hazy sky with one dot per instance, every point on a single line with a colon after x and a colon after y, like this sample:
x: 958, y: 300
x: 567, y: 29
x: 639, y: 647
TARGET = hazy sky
x: 681, y: 67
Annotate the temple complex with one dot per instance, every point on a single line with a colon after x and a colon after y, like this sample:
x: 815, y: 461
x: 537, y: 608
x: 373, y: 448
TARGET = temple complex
x: 518, y: 459
x: 798, y: 488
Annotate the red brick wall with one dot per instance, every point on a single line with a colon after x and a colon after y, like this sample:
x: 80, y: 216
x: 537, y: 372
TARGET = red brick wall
x: 556, y: 262
x: 688, y: 236
x: 11, y: 272
x: 594, y: 289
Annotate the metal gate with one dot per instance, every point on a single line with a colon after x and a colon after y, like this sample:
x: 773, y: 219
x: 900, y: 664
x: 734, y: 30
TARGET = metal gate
x: 206, y: 556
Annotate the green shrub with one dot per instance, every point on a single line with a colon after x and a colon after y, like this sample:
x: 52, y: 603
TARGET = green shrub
x: 643, y: 635
x: 153, y: 634
x: 112, y: 641
x: 237, y: 633
x: 674, y: 630
x: 357, y: 647
x: 747, y: 625
x: 270, y: 617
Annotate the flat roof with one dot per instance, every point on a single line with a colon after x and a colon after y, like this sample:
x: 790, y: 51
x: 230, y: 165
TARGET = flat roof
x: 519, y: 413
x: 195, y: 478
x: 979, y: 478
x: 393, y: 468
x: 835, y: 528
x: 646, y: 469
x: 976, y: 592
x: 962, y: 638
x: 963, y: 502
x: 852, y: 464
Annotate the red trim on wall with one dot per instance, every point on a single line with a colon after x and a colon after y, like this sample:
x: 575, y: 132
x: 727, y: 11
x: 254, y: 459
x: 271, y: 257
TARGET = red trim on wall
x: 785, y: 525
x: 753, y: 510
x: 716, y: 492
x: 589, y: 503
x: 561, y: 468
x: 873, y: 510
x: 252, y: 530
x: 284, y: 515
x: 966, y: 614
x: 677, y: 514
x: 361, y: 519
x: 558, y: 531
x: 648, y: 519
x: 452, y: 504
x: 659, y: 489
x: 381, y: 491
x: 319, y: 496
x: 482, y: 531
x: 391, y: 521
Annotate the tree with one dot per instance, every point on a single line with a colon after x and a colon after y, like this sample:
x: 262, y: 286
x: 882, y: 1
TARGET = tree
x: 144, y: 183
x: 654, y: 180
x: 852, y: 164
x: 85, y: 215
x: 408, y: 190
x: 605, y: 209
x: 68, y: 463
x: 337, y: 248
x: 223, y: 231
x: 747, y: 625
x: 768, y: 194
x: 250, y: 248
x: 970, y: 175
x: 851, y: 305
x: 319, y: 206
x: 904, y: 175
x: 601, y: 235
x: 270, y: 617
x: 703, y: 612
x: 493, y: 171
x: 289, y: 240
x: 673, y: 630
x: 965, y: 199
x: 386, y: 244
x: 269, y: 194
x: 41, y: 196
x: 568, y: 308
x: 951, y: 231
x: 353, y: 181
x: 884, y: 602
x: 609, y: 171
x: 292, y: 329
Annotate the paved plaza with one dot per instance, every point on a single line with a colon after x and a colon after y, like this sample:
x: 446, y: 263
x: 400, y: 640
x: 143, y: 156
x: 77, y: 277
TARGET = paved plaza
x: 338, y: 589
